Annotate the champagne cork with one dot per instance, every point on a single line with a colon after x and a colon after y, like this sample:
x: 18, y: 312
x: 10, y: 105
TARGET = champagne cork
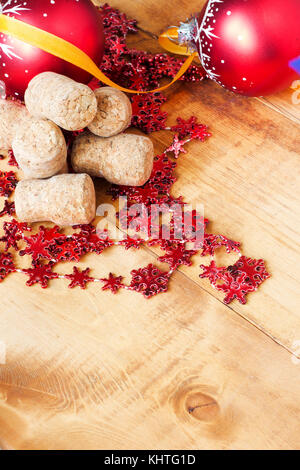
x: 12, y: 114
x: 39, y: 148
x: 125, y: 159
x: 114, y: 112
x: 71, y: 105
x: 63, y: 199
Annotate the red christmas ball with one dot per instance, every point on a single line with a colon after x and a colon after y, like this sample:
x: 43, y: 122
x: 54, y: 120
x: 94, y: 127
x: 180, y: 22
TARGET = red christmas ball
x: 77, y: 21
x: 246, y: 45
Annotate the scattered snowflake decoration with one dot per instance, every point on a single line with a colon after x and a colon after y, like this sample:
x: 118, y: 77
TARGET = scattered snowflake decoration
x: 69, y: 249
x: 12, y: 160
x: 37, y: 247
x: 131, y: 242
x: 230, y: 245
x: 191, y: 128
x: 40, y: 274
x: 146, y: 113
x: 235, y: 287
x: 177, y: 146
x: 13, y: 232
x: 254, y: 270
x: 113, y: 283
x: 212, y: 272
x: 8, y: 209
x: 210, y: 243
x: 6, y: 265
x: 79, y: 278
x: 141, y: 71
x: 176, y: 254
x: 8, y: 182
x: 149, y: 280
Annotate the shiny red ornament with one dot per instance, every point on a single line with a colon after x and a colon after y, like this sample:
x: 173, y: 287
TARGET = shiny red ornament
x: 246, y: 45
x: 77, y: 21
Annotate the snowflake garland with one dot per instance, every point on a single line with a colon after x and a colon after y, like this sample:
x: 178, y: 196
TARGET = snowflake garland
x: 49, y: 246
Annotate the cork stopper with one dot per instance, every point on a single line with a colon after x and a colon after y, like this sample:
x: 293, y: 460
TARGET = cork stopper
x: 69, y: 104
x: 39, y: 147
x: 12, y: 114
x: 124, y: 159
x: 114, y: 112
x: 63, y: 199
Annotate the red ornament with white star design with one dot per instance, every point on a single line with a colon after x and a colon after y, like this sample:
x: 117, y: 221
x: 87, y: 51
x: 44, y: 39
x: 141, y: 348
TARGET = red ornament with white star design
x: 246, y: 45
x: 76, y: 21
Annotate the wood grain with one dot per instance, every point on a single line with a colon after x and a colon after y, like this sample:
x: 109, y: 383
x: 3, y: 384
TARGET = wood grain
x: 90, y: 370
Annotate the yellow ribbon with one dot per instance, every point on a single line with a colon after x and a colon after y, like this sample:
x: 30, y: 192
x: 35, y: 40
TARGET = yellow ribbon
x: 65, y: 50
x: 167, y: 41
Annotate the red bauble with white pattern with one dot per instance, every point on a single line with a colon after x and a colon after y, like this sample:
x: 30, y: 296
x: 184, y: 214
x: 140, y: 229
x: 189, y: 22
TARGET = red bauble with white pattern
x: 246, y: 45
x: 77, y: 21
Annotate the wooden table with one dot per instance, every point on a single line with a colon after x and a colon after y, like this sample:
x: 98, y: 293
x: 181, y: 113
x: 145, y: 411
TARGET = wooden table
x: 88, y: 369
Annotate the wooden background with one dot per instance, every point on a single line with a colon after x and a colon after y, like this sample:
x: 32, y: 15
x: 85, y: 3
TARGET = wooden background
x: 88, y: 369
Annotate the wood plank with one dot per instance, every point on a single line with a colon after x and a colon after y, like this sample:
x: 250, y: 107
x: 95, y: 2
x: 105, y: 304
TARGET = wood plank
x: 87, y: 369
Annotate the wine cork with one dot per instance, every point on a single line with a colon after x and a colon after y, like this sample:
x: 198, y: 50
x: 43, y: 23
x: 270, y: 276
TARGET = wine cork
x: 39, y: 148
x: 125, y: 159
x: 12, y: 114
x: 114, y: 112
x: 63, y: 199
x: 71, y: 105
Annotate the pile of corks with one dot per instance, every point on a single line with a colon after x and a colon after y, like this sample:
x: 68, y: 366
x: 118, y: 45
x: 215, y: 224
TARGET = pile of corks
x: 54, y: 102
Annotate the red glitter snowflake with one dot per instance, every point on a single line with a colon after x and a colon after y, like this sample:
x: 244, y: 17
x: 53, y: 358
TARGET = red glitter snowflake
x: 149, y: 280
x: 52, y: 235
x: 177, y: 146
x: 254, y: 270
x: 131, y: 242
x: 6, y: 265
x: 191, y: 128
x: 117, y: 22
x: 8, y: 209
x: 92, y: 240
x: 40, y: 274
x: 37, y: 247
x: 8, y: 182
x: 67, y: 250
x: 79, y: 278
x: 235, y: 287
x: 146, y: 113
x: 113, y: 283
x: 12, y: 159
x: 212, y: 272
x: 230, y: 245
x: 13, y: 232
x: 209, y: 245
x: 176, y: 254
